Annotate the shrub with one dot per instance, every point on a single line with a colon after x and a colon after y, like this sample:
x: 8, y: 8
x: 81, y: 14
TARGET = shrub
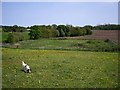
x: 14, y: 37
x: 89, y: 41
x: 35, y: 33
x: 10, y: 38
x: 88, y: 32
x: 107, y: 40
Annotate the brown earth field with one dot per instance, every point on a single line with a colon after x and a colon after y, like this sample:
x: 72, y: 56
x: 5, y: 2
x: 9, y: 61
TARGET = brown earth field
x: 102, y: 34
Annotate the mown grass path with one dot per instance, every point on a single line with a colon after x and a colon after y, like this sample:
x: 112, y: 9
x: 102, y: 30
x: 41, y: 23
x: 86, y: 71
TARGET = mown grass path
x: 59, y: 69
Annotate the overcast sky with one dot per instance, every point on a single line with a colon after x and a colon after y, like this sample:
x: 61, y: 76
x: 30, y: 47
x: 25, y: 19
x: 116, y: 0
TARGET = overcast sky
x: 75, y: 13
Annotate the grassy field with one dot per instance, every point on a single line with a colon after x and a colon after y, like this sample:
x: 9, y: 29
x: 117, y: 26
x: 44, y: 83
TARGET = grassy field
x: 4, y: 36
x: 60, y: 63
x: 59, y: 68
x: 67, y: 44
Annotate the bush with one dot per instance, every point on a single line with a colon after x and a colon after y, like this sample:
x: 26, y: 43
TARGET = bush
x: 88, y: 32
x: 107, y: 40
x: 14, y: 37
x: 89, y: 42
x: 35, y: 33
x: 10, y: 38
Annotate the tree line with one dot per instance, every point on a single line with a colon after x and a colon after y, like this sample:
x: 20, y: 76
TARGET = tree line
x: 57, y: 31
x: 47, y: 31
x: 44, y: 31
x: 16, y: 28
x: 107, y: 27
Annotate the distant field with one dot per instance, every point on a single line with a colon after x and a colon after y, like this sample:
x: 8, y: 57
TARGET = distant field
x: 104, y: 34
x: 59, y: 69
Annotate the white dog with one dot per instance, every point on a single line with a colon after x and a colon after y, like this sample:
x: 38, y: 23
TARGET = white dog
x: 25, y: 67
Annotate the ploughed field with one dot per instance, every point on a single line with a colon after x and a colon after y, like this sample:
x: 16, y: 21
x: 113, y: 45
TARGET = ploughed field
x: 104, y: 34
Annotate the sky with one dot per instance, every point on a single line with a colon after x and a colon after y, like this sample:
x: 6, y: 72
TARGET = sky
x: 45, y: 13
x: 60, y: 0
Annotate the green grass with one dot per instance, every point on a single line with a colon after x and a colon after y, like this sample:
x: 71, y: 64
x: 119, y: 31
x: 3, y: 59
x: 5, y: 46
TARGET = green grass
x: 3, y: 36
x: 67, y: 44
x: 60, y: 63
x: 59, y: 69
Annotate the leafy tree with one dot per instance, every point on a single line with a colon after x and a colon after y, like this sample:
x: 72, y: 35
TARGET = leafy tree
x: 107, y: 27
x: 54, y: 26
x: 88, y: 32
x: 35, y: 32
x: 73, y: 32
x: 13, y: 37
x: 15, y: 28
x: 62, y: 34
x: 66, y: 29
x: 83, y: 32
x: 88, y: 27
x: 46, y: 33
x: 55, y: 33
x: 10, y: 38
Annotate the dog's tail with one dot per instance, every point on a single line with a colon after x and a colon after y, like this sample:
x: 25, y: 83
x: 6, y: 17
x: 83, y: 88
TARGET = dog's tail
x: 23, y: 63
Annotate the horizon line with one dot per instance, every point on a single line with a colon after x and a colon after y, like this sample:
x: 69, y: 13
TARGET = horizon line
x: 64, y: 24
